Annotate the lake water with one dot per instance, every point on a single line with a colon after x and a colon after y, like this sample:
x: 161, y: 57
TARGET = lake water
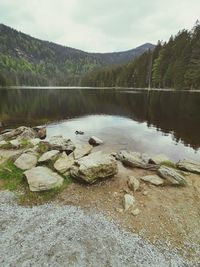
x: 148, y: 121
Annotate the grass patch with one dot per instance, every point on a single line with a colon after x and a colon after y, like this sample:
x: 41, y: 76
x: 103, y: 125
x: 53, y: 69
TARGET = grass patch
x: 37, y: 198
x: 10, y: 176
x: 168, y: 164
x: 42, y: 148
x: 26, y: 143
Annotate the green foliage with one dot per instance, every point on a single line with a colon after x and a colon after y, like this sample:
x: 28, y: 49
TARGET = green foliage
x: 10, y: 176
x: 175, y: 64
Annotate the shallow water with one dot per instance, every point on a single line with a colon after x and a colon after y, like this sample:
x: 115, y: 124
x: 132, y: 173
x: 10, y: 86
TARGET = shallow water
x: 147, y: 121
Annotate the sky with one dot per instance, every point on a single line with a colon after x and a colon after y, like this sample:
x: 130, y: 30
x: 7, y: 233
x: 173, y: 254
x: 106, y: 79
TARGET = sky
x: 100, y: 25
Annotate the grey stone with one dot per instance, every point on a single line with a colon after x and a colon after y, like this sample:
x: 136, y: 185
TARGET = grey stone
x: 61, y: 144
x: 42, y: 178
x: 82, y: 150
x: 49, y: 156
x: 64, y: 163
x: 95, y: 141
x: 189, y: 165
x: 93, y: 167
x: 128, y: 201
x: 171, y: 175
x: 133, y: 183
x: 153, y: 179
x: 26, y: 161
x: 135, y: 159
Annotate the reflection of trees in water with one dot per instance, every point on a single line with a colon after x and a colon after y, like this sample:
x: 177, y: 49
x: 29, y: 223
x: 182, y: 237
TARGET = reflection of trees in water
x: 176, y: 112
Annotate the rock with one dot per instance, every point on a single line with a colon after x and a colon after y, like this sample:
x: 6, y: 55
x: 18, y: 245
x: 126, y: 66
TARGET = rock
x: 135, y: 212
x: 171, y: 175
x: 20, y: 133
x: 133, y: 183
x: 64, y: 163
x: 41, y: 132
x: 35, y: 141
x: 3, y: 143
x: 95, y: 141
x: 15, y: 143
x: 188, y: 165
x: 26, y: 161
x: 93, y: 167
x: 79, y: 132
x: 42, y: 178
x: 11, y: 155
x: 145, y: 193
x: 152, y: 179
x: 159, y: 159
x: 61, y: 144
x: 49, y: 156
x: 82, y: 150
x: 135, y: 159
x: 129, y: 201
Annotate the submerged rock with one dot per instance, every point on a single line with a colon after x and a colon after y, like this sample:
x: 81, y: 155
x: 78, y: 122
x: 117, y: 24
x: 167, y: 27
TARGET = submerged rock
x: 93, y: 167
x: 171, y: 175
x: 128, y: 201
x: 153, y: 179
x: 26, y: 161
x: 79, y: 132
x: 49, y: 156
x: 64, y: 163
x: 133, y: 183
x: 42, y: 178
x: 135, y: 159
x: 188, y: 165
x: 82, y: 150
x: 95, y: 141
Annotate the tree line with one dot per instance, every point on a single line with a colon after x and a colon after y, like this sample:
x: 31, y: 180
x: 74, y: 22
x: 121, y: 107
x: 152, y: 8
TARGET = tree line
x: 173, y: 64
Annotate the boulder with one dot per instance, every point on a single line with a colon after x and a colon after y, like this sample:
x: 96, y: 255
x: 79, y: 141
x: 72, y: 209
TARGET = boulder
x: 42, y: 178
x: 3, y: 143
x: 15, y: 143
x: 152, y: 179
x: 159, y: 159
x: 19, y: 133
x: 133, y: 183
x: 171, y: 175
x: 41, y: 132
x: 82, y: 150
x: 61, y: 144
x: 64, y: 163
x: 26, y: 161
x: 128, y: 201
x: 188, y: 165
x: 35, y: 141
x: 49, y: 156
x: 135, y: 159
x: 95, y: 141
x: 93, y: 167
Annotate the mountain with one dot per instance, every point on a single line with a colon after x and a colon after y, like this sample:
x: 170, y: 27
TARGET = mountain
x: 173, y: 64
x: 25, y: 60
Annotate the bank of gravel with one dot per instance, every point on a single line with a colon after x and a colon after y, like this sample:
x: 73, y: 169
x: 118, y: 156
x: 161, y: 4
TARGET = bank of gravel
x: 54, y: 235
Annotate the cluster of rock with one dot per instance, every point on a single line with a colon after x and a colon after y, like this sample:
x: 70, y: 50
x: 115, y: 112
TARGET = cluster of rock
x: 49, y: 160
x: 62, y: 158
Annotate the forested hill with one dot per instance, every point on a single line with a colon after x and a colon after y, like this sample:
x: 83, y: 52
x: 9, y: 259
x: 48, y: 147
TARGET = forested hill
x: 25, y: 60
x: 173, y: 64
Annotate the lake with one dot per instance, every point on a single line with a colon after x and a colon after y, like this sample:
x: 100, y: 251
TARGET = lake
x: 147, y: 121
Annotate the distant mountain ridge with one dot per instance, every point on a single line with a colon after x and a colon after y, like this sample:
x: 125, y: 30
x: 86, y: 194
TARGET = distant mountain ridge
x: 25, y: 60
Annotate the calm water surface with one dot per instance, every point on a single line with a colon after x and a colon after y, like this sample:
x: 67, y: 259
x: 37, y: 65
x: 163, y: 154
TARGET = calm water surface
x: 148, y: 121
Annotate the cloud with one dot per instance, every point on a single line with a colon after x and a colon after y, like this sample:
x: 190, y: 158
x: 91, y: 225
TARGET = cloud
x: 94, y: 25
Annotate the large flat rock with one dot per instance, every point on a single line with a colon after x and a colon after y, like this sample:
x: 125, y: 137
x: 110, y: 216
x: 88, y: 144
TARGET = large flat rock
x: 82, y: 150
x: 64, y: 163
x: 42, y: 178
x: 26, y: 161
x: 171, y: 175
x: 93, y: 167
x: 189, y: 165
x: 49, y: 156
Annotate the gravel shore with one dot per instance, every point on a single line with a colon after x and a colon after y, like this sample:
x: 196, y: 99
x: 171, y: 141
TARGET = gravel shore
x: 52, y: 235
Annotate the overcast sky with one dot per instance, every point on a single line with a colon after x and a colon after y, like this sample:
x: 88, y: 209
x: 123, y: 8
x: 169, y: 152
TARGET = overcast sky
x: 100, y: 25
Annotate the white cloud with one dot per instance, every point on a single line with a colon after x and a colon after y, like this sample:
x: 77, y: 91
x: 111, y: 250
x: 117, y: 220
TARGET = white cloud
x: 94, y: 25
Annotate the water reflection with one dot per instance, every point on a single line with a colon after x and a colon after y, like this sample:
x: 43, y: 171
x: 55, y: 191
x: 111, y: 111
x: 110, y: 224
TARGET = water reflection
x: 153, y: 122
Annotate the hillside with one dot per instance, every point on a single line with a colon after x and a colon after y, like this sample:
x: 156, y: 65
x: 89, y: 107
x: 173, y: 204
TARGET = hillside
x: 173, y: 64
x: 25, y: 60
